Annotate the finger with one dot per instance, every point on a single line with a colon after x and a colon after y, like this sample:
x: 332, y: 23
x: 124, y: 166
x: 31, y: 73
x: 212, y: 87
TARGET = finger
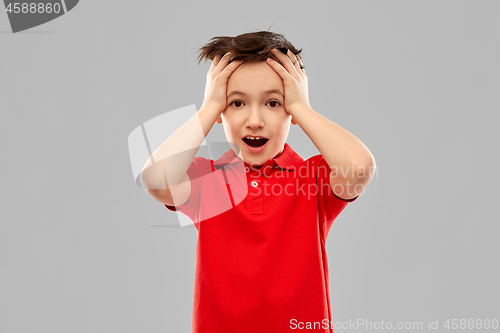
x: 295, y: 61
x: 229, y: 69
x: 224, y: 61
x: 214, y: 63
x: 285, y: 60
x: 301, y: 66
x: 278, y: 68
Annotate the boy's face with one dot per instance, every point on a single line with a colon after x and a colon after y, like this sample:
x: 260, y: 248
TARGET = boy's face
x: 254, y: 111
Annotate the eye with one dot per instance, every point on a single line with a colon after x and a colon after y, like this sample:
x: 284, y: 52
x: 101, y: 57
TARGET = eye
x: 235, y: 102
x: 278, y: 104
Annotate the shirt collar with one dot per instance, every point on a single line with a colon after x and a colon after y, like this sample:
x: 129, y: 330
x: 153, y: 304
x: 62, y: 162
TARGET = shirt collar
x: 288, y: 159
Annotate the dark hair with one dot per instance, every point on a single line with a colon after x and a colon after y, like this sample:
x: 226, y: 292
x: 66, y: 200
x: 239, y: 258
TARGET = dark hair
x: 250, y: 47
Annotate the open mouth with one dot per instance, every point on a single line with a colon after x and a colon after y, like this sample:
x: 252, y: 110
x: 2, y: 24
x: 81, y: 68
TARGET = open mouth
x: 255, y: 142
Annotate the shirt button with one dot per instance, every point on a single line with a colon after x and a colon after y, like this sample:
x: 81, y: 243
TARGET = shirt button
x: 247, y: 169
x: 255, y: 184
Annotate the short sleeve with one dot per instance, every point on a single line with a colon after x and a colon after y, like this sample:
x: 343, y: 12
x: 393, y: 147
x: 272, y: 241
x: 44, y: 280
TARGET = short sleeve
x: 330, y: 205
x: 209, y: 195
x: 191, y: 207
x: 323, y: 181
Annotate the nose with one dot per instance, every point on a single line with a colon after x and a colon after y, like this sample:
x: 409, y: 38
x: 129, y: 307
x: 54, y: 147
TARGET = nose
x: 254, y: 119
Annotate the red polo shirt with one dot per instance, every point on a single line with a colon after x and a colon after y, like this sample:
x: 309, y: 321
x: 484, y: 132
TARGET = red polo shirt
x: 261, y: 263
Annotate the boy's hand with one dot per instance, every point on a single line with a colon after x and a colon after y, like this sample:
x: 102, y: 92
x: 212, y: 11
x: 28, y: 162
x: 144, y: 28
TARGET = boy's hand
x: 294, y: 79
x: 217, y: 77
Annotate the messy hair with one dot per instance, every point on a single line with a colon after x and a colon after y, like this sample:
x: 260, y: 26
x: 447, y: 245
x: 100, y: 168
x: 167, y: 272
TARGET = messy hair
x: 251, y: 47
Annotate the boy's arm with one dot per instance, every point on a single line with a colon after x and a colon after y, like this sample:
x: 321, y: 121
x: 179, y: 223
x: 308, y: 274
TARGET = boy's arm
x: 171, y: 160
x: 352, y: 164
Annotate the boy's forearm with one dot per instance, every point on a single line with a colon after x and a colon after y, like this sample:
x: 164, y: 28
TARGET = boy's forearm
x: 171, y: 160
x: 339, y: 148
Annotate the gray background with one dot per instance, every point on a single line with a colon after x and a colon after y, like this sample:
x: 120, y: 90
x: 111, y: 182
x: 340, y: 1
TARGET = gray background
x: 83, y: 249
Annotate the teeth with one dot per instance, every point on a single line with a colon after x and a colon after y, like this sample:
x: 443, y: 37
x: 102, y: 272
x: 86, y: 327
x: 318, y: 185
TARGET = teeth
x: 254, y: 138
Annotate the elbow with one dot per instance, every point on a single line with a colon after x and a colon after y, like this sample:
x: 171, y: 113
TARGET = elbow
x: 365, y: 171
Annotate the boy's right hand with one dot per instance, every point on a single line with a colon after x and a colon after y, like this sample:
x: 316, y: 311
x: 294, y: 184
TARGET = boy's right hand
x: 217, y: 77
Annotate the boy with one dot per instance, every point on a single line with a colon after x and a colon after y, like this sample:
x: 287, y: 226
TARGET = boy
x: 261, y: 211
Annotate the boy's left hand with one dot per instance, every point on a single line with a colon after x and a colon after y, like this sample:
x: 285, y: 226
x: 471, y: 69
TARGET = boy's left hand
x: 294, y: 79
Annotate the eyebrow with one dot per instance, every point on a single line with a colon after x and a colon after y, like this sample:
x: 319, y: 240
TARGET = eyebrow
x: 234, y: 92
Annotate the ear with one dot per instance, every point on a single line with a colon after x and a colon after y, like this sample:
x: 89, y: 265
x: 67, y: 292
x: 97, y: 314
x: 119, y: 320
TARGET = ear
x: 219, y: 120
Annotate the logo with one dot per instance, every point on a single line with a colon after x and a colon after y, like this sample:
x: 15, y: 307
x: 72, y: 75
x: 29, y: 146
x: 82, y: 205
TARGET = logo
x: 25, y: 15
x: 146, y: 157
